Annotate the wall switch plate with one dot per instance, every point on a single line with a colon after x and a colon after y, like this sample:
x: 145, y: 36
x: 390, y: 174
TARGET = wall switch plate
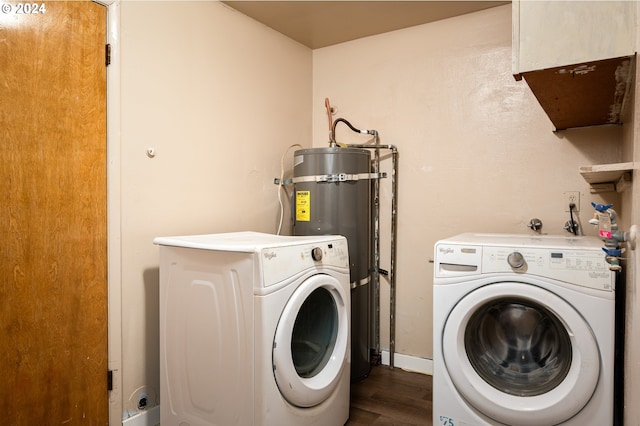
x: 572, y: 197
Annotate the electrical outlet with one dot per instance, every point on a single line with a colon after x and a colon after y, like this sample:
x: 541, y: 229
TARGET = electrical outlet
x: 572, y: 197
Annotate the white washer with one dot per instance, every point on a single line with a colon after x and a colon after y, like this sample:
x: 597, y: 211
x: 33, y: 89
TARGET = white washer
x: 523, y: 331
x: 254, y: 329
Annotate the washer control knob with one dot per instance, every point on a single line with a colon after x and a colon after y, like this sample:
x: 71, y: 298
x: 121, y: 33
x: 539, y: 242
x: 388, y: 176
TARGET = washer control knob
x: 316, y: 254
x: 516, y: 260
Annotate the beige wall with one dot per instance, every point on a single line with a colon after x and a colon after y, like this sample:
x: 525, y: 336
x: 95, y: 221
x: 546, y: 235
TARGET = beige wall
x: 220, y: 98
x: 477, y: 153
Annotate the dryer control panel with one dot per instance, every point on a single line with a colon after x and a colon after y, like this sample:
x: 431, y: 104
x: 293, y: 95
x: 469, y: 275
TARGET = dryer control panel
x: 281, y: 263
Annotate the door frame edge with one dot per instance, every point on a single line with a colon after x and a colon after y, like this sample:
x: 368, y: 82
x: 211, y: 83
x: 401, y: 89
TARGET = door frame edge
x: 114, y: 227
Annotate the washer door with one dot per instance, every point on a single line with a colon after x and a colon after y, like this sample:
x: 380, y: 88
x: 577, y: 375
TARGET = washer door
x: 520, y: 354
x: 311, y: 344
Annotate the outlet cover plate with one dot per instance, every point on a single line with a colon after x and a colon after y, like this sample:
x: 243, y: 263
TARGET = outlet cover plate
x: 571, y: 197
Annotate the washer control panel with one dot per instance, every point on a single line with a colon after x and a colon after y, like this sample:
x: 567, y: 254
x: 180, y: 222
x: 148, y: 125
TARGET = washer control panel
x: 584, y: 267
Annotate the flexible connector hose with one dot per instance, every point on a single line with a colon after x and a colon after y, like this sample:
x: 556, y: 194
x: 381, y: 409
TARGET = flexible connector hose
x: 342, y: 120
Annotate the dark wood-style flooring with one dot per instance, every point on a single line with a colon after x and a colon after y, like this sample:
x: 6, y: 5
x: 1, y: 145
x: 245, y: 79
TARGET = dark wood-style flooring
x: 391, y: 397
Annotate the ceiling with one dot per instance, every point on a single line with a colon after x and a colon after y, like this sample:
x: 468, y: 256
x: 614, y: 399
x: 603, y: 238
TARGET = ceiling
x: 319, y: 24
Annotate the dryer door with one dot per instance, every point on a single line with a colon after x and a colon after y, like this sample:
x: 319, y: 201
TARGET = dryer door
x: 520, y: 354
x: 311, y: 346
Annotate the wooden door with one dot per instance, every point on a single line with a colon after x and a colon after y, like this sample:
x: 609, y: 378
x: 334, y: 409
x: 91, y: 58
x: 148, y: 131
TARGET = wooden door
x: 53, y: 244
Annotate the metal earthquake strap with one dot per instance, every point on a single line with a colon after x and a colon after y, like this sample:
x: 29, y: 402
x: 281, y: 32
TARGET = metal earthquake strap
x: 363, y: 281
x: 339, y: 177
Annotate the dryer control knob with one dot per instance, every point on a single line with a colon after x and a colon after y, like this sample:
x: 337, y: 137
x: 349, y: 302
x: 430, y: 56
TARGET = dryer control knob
x: 316, y: 254
x: 516, y: 260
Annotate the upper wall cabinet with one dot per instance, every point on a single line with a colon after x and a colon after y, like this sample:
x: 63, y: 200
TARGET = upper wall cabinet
x: 577, y: 57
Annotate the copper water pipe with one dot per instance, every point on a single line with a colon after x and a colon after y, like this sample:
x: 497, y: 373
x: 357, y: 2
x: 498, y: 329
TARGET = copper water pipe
x: 327, y: 105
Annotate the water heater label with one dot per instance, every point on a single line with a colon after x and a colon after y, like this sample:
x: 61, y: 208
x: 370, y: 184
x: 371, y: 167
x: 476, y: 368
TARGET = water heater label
x: 303, y: 206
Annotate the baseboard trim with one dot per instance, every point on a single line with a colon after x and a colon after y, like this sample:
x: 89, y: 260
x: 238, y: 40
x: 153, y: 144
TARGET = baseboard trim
x: 150, y: 417
x: 409, y: 362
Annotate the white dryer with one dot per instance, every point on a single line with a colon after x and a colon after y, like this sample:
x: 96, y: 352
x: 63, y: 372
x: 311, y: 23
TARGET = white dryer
x: 523, y: 331
x: 254, y: 330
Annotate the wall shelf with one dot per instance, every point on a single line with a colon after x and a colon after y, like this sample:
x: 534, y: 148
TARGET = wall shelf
x: 587, y: 94
x: 608, y: 177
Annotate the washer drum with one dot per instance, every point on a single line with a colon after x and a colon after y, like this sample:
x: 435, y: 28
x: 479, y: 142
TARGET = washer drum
x: 332, y: 196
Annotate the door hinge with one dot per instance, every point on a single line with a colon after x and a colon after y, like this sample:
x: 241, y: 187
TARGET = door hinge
x: 107, y: 54
x: 110, y: 380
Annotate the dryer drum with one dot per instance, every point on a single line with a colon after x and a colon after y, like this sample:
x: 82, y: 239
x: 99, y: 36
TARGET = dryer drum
x: 314, y: 333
